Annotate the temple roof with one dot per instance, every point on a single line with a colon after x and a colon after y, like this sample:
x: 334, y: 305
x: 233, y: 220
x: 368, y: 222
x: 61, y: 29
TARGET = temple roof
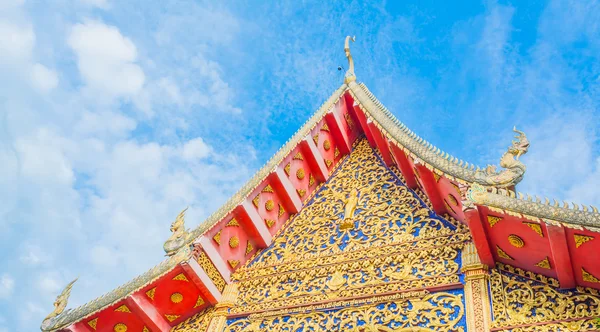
x: 465, y: 192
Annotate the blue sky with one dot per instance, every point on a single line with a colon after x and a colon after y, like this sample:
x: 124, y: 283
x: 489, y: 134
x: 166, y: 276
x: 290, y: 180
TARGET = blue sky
x: 115, y: 115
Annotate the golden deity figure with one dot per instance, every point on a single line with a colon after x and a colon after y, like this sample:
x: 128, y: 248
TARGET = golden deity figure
x: 350, y: 207
x: 179, y: 236
x: 59, y: 305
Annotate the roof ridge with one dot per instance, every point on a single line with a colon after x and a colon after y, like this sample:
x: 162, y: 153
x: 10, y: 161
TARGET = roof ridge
x: 166, y: 265
x: 455, y: 168
x: 459, y: 170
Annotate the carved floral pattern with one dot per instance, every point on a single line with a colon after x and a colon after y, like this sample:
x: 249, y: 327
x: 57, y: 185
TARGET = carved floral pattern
x: 519, y: 301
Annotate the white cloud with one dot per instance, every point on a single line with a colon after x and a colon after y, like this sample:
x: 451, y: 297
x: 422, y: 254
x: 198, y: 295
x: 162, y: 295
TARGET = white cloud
x: 16, y: 41
x: 42, y: 158
x: 171, y: 90
x: 106, y: 59
x: 195, y: 149
x: 7, y: 285
x: 43, y: 78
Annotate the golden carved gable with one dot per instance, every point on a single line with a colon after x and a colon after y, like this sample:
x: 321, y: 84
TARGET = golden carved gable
x: 521, y: 298
x: 394, y: 244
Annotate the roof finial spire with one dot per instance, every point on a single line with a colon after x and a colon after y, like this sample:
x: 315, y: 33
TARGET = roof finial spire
x: 349, y: 77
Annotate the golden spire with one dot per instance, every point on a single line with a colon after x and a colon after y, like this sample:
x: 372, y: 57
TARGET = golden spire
x: 350, y: 76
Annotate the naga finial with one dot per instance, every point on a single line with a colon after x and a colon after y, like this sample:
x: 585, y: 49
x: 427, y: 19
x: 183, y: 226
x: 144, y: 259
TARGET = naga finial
x: 179, y: 236
x: 350, y: 76
x: 513, y: 168
x: 59, y: 306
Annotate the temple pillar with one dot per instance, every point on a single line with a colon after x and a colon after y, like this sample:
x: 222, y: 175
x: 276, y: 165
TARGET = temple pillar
x: 219, y: 316
x: 477, y: 297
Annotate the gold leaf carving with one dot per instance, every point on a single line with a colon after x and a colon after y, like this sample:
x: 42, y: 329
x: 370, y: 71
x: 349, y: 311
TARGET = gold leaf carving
x: 287, y: 169
x: 336, y: 153
x: 281, y: 211
x: 93, y: 323
x: 120, y: 327
x: 300, y: 174
x: 516, y: 241
x: 176, y: 298
x: 198, y: 322
x: 256, y: 200
x: 217, y: 237
x: 269, y: 222
x: 298, y: 156
x: 150, y: 293
x: 123, y: 308
x: 581, y: 239
x: 171, y: 318
x: 436, y: 177
x: 397, y: 244
x: 233, y: 263
x: 249, y: 247
x: 181, y: 277
x: 588, y: 276
x: 328, y: 163
x: 233, y: 223
x: 544, y: 264
x: 452, y: 199
x: 502, y: 254
x: 311, y: 180
x: 269, y: 205
x: 316, y: 138
x: 327, y: 145
x: 325, y: 127
x: 234, y: 241
x: 268, y: 189
x: 211, y: 270
x: 535, y: 227
x: 493, y: 220
x: 301, y: 192
x: 525, y: 301
x: 199, y: 302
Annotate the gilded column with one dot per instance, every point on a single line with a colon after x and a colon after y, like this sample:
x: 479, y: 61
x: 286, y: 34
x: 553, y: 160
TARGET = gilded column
x: 219, y: 316
x: 477, y: 296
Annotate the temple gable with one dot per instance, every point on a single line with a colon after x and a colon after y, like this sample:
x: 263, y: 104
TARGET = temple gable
x: 395, y: 248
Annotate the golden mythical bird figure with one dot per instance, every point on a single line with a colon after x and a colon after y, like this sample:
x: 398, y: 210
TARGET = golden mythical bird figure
x: 59, y: 305
x: 513, y: 170
x: 179, y: 236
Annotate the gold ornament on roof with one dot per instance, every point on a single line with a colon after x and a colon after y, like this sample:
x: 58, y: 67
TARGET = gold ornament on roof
x: 179, y: 236
x: 516, y: 241
x: 176, y: 298
x: 269, y: 205
x: 350, y: 76
x: 59, y: 305
x: 120, y: 327
x: 513, y: 168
